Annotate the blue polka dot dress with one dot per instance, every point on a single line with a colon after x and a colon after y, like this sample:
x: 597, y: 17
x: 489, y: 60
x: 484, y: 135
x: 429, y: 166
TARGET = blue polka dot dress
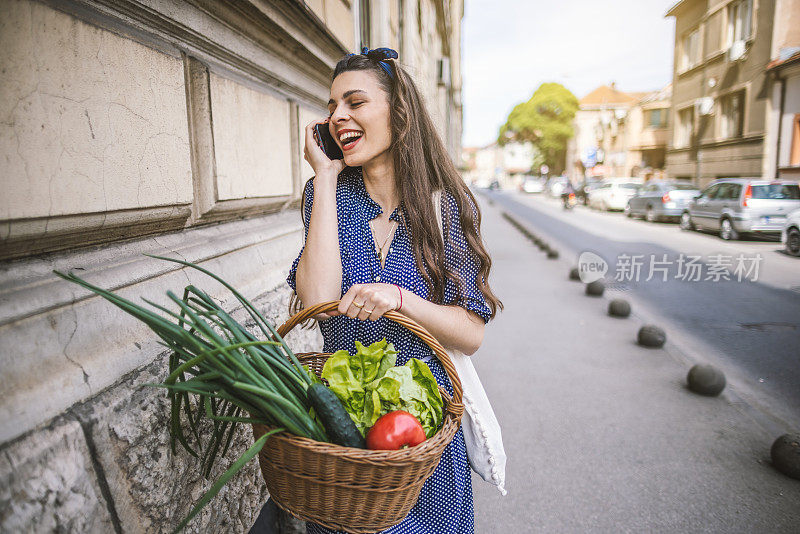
x: 445, y: 502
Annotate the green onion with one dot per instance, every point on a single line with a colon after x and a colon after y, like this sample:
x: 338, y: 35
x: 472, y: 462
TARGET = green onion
x: 219, y: 371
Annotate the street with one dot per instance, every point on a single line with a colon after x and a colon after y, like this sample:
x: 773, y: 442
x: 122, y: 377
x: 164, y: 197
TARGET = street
x: 601, y: 434
x: 750, y: 329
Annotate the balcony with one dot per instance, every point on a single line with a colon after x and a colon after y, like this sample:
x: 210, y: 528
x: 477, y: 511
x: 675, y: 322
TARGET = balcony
x: 651, y: 138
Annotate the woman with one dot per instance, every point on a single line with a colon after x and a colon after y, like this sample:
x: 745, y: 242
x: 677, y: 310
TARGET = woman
x: 373, y: 240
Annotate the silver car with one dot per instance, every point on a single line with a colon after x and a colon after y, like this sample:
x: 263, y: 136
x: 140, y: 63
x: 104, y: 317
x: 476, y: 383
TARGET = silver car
x: 735, y: 206
x: 790, y: 236
x: 661, y: 199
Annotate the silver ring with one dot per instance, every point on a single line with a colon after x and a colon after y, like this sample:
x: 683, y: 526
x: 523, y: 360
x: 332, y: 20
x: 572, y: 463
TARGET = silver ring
x: 370, y: 311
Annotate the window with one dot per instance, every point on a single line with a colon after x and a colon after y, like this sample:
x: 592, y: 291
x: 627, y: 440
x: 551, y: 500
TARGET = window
x: 690, y: 50
x: 657, y: 118
x: 728, y: 191
x: 776, y: 191
x: 731, y: 115
x: 401, y: 27
x: 711, y: 191
x: 683, y: 132
x: 716, y: 33
x: 740, y: 15
x: 364, y: 23
x: 723, y: 192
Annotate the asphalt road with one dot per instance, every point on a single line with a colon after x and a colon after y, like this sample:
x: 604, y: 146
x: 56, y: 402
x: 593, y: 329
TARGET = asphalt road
x: 748, y: 327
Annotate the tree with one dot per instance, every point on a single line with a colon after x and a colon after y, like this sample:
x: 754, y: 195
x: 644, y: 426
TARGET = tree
x: 546, y: 121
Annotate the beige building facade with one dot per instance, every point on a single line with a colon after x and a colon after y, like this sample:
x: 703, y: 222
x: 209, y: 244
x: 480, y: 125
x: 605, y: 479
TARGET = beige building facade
x: 619, y: 134
x: 596, y: 110
x: 719, y: 103
x: 508, y: 164
x: 171, y: 128
x: 782, y: 145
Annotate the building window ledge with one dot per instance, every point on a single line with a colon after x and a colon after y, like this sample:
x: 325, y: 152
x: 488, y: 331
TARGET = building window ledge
x: 755, y: 138
x: 689, y: 70
x: 732, y: 141
x: 718, y: 54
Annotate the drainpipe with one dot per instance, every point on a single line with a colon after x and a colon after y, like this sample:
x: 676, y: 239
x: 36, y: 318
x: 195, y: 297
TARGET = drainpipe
x: 780, y: 125
x: 698, y: 120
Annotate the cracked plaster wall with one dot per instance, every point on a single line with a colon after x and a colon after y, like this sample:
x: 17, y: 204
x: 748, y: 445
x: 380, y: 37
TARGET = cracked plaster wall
x: 305, y: 117
x: 92, y: 121
x: 89, y: 121
x: 251, y: 142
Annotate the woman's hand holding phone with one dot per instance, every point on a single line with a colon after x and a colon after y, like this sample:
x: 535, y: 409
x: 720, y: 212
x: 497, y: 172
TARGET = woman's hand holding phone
x: 316, y: 157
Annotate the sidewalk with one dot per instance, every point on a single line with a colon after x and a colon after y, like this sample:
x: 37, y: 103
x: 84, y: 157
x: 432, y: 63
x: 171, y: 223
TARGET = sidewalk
x: 602, y: 434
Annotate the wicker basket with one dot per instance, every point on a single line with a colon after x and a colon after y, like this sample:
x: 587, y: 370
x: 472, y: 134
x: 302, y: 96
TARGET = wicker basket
x: 344, y: 488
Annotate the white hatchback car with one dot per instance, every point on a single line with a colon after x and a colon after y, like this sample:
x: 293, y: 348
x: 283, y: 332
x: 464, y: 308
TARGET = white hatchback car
x: 613, y: 193
x: 532, y: 185
x: 790, y: 235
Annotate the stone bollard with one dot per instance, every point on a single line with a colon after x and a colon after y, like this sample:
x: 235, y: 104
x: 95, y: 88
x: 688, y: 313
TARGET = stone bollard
x: 706, y: 380
x: 651, y: 336
x: 596, y: 288
x: 785, y: 455
x: 574, y: 274
x: 619, y: 308
x: 552, y: 254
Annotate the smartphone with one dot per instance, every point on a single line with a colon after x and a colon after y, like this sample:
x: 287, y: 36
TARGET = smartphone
x: 326, y: 142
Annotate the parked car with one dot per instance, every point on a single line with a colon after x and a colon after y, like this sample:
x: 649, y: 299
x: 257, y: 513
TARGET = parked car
x: 661, y: 199
x: 790, y: 235
x: 583, y: 189
x: 736, y: 206
x: 613, y: 193
x: 555, y: 186
x: 532, y: 184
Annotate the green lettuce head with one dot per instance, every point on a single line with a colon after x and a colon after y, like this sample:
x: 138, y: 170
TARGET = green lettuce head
x: 369, y: 386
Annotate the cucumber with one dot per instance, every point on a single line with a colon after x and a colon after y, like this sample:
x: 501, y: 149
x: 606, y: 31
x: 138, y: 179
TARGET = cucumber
x: 341, y: 429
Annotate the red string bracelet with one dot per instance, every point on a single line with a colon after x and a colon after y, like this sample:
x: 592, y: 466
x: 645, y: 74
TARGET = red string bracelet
x: 401, y: 296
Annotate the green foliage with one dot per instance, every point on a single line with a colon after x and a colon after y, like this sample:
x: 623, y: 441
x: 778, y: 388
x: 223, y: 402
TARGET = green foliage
x: 546, y: 121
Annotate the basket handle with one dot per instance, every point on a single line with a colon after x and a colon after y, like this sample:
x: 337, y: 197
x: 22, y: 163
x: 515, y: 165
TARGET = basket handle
x: 456, y: 406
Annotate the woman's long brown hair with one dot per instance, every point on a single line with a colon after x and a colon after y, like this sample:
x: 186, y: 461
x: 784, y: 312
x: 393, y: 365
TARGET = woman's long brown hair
x: 422, y: 166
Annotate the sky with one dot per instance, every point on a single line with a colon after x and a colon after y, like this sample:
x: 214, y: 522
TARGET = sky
x: 510, y: 47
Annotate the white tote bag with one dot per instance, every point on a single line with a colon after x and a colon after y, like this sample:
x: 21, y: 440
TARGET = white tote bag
x: 487, y: 457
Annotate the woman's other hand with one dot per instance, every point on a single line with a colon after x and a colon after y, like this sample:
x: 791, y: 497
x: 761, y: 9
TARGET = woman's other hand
x: 316, y: 157
x: 369, y: 301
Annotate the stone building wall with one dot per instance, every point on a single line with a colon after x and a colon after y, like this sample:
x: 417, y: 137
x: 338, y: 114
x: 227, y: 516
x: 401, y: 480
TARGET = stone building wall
x: 105, y: 464
x: 128, y: 127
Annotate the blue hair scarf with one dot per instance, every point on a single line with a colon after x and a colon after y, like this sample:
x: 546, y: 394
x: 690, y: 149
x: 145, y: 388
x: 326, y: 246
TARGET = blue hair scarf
x: 380, y: 55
